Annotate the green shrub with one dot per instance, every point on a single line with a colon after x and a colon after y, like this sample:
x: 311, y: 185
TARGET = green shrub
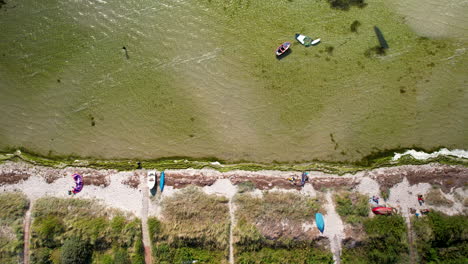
x: 168, y: 255
x: 352, y: 207
x: 107, y: 259
x: 385, y: 243
x: 13, y: 206
x: 154, y: 227
x: 138, y: 256
x: 41, y: 256
x: 47, y: 229
x: 56, y: 219
x: 281, y: 255
x: 75, y: 251
x: 441, y: 238
x: 121, y: 256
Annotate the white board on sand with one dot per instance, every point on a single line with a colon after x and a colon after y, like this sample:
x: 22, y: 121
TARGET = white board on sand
x: 151, y: 179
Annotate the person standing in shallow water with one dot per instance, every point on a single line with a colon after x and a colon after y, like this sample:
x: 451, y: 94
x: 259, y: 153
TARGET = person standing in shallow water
x: 126, y: 52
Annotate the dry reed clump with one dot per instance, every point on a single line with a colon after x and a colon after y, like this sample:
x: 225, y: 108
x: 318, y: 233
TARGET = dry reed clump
x: 275, y: 216
x: 13, y: 177
x: 193, y: 218
x: 96, y: 178
x: 133, y: 181
x: 435, y: 197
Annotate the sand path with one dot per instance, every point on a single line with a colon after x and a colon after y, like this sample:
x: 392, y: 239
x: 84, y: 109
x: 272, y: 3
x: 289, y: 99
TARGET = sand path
x: 144, y: 219
x: 231, y: 228
x: 27, y: 233
x: 334, y: 228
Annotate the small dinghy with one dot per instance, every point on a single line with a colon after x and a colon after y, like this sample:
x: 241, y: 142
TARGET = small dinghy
x: 162, y: 179
x: 151, y: 179
x: 380, y: 210
x: 306, y: 41
x: 320, y: 222
x: 283, y: 48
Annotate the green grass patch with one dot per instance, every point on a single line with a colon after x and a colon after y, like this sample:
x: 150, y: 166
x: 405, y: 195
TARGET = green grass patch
x: 12, y: 209
x: 441, y: 238
x: 352, y: 207
x: 385, y: 242
x: 195, y: 227
x: 280, y: 255
x: 101, y: 230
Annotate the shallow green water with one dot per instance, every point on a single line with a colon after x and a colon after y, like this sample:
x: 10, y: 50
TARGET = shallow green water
x: 202, y: 80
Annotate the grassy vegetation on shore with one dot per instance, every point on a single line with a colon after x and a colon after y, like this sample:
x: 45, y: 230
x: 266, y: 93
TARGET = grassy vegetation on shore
x: 108, y: 236
x: 376, y: 160
x: 385, y: 243
x: 12, y: 209
x: 269, y: 229
x: 353, y: 208
x: 195, y: 226
x: 441, y: 238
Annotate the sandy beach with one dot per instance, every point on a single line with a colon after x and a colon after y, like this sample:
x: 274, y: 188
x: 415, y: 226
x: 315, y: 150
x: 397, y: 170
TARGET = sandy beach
x: 126, y: 190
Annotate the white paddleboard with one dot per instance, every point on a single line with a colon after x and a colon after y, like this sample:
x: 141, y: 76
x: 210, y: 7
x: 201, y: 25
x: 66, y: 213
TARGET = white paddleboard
x: 315, y: 42
x: 151, y: 179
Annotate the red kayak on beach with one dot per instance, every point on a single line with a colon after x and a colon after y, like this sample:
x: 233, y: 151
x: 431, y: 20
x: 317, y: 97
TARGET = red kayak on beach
x: 383, y: 210
x: 283, y: 48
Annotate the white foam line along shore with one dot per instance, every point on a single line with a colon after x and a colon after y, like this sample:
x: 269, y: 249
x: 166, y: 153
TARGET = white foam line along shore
x: 421, y: 155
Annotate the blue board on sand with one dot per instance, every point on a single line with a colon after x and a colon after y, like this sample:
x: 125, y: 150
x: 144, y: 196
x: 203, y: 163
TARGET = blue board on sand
x: 320, y: 222
x: 161, y: 181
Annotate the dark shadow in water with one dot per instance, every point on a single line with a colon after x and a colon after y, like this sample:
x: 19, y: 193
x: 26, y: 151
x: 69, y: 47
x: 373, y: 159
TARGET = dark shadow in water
x: 382, y: 41
x: 284, y: 55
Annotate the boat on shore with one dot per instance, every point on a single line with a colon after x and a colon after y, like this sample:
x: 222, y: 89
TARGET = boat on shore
x: 306, y: 41
x: 162, y: 179
x: 151, y: 179
x: 320, y: 222
x: 282, y: 48
x: 381, y: 210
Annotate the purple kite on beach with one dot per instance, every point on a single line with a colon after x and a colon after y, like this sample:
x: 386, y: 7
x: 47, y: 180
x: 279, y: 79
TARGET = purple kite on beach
x: 79, y: 184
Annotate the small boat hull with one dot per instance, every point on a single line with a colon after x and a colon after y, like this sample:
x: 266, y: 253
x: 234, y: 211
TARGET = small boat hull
x: 319, y: 221
x: 151, y: 179
x: 383, y: 210
x: 306, y: 41
x: 283, y: 48
x: 162, y: 179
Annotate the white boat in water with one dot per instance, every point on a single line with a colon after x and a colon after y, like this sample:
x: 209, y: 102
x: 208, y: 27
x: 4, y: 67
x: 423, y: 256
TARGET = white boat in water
x: 151, y: 179
x: 306, y: 41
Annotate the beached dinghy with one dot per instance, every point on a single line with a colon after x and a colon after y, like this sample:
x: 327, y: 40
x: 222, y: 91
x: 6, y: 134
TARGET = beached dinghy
x: 320, y: 222
x: 306, y: 41
x: 151, y: 179
x: 162, y: 179
x: 283, y: 48
x: 380, y: 210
